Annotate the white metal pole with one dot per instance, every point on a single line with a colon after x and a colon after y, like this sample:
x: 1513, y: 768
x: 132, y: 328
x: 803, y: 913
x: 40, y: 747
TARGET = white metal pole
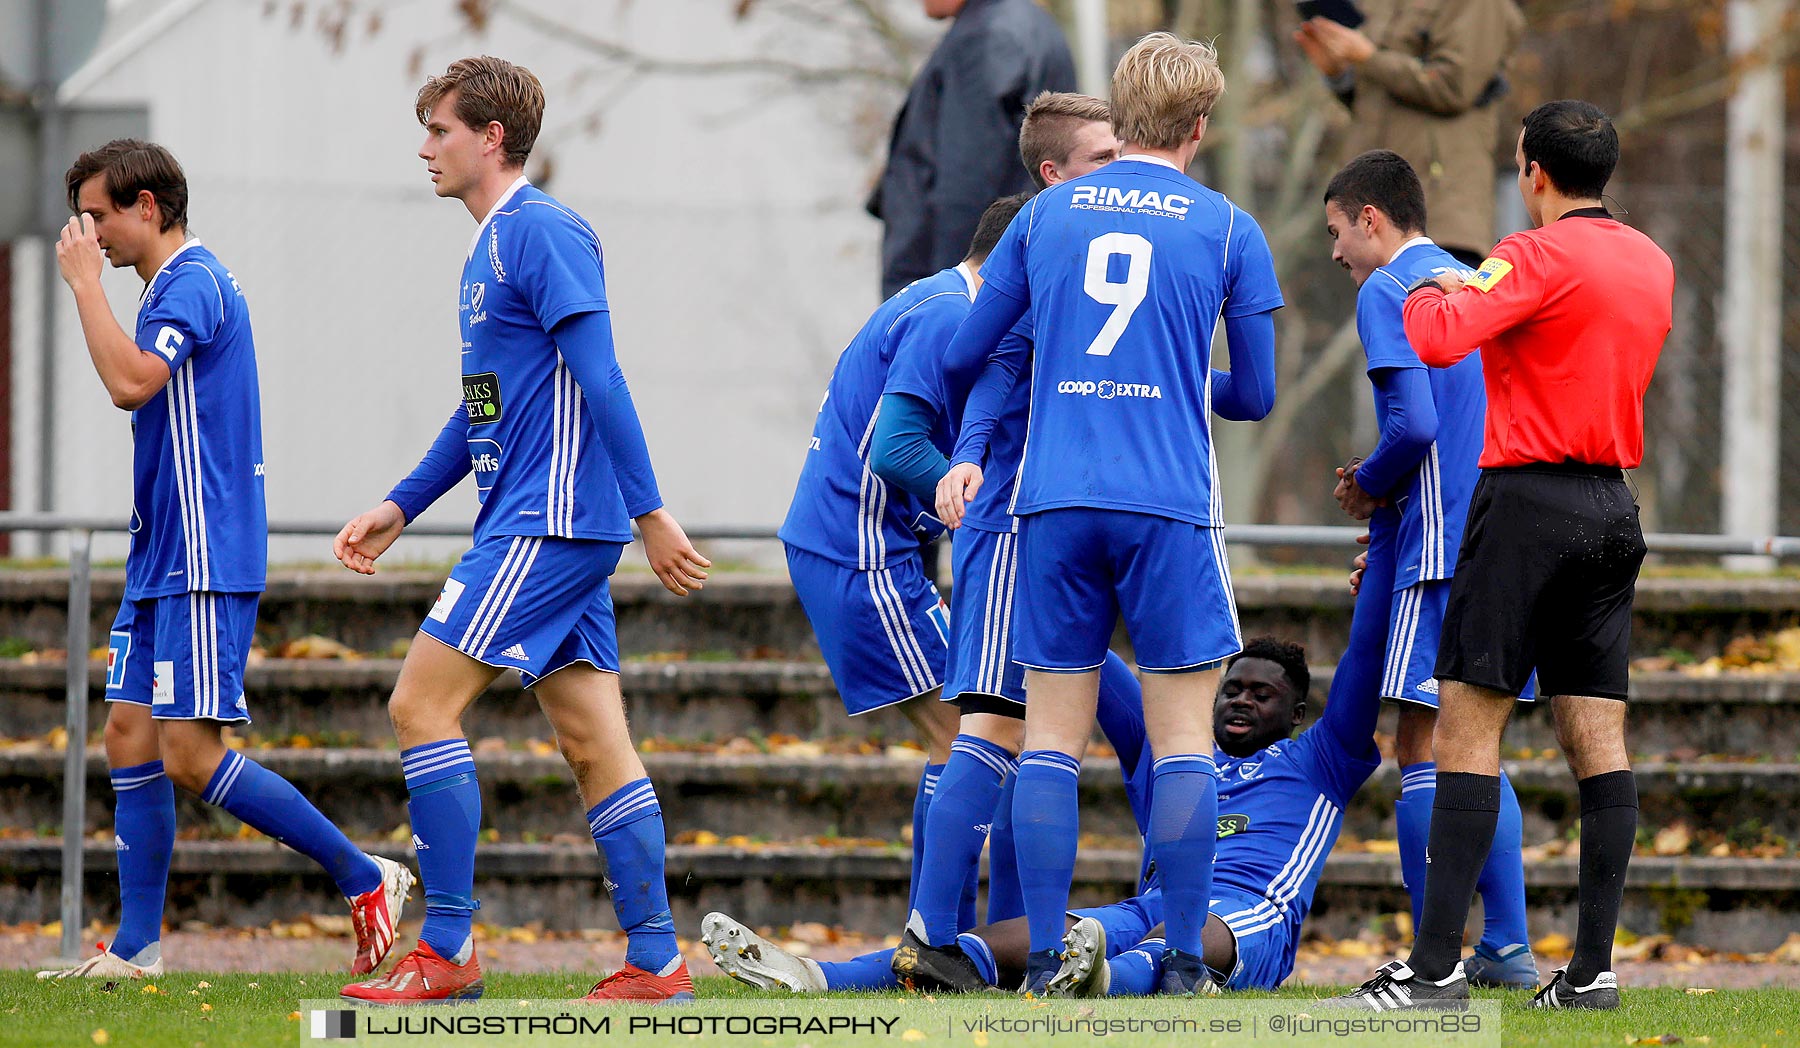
x: 1093, y: 72
x: 1750, y: 323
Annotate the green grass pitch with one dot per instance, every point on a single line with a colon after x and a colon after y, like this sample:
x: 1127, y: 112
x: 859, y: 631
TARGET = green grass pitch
x: 198, y: 1010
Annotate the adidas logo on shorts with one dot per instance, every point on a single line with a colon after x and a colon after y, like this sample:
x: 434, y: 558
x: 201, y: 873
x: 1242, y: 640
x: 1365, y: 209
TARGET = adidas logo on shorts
x: 517, y: 651
x: 419, y: 845
x: 119, y: 843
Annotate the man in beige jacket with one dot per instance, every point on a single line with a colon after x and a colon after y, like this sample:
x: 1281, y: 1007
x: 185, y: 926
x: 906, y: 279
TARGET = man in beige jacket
x: 1423, y: 78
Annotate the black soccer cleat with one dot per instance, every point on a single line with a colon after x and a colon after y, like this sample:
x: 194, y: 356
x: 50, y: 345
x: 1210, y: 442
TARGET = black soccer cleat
x: 923, y: 967
x: 1397, y: 987
x: 1602, y: 994
x: 1184, y: 975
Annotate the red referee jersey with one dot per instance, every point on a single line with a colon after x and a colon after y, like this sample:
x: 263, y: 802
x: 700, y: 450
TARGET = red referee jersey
x: 1570, y: 319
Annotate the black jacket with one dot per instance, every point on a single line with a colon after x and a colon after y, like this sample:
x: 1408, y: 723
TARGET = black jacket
x: 955, y: 144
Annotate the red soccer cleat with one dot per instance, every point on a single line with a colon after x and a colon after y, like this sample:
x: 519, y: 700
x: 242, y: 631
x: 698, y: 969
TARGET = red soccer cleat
x: 632, y: 984
x: 375, y: 913
x: 421, y: 977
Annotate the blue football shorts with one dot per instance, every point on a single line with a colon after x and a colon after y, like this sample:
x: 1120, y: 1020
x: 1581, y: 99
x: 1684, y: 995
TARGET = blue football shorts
x: 1415, y: 627
x: 1081, y: 569
x: 885, y: 634
x: 532, y: 603
x: 1266, y: 942
x: 986, y: 566
x: 183, y: 656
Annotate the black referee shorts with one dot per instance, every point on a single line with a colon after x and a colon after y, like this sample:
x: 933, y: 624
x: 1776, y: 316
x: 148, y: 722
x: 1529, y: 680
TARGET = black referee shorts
x: 1545, y: 578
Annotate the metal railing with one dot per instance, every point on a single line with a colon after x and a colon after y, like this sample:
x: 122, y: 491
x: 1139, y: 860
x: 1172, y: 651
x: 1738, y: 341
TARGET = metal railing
x: 80, y: 532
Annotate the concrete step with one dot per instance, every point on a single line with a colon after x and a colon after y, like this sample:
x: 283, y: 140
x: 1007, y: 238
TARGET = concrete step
x: 1731, y: 904
x: 740, y: 613
x: 1749, y: 714
x: 775, y: 796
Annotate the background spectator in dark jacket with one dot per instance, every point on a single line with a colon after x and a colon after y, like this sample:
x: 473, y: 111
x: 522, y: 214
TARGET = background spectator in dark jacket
x: 955, y: 143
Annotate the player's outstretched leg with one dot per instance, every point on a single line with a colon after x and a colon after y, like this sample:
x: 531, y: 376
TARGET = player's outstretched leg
x: 755, y: 961
x: 269, y: 803
x: 1084, y: 971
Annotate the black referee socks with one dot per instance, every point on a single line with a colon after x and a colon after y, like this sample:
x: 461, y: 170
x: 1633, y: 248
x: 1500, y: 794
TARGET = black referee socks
x: 1609, y: 811
x: 1462, y: 830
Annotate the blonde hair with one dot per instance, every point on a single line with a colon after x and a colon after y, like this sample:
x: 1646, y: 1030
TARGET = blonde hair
x: 1051, y: 121
x: 490, y: 90
x: 1163, y: 86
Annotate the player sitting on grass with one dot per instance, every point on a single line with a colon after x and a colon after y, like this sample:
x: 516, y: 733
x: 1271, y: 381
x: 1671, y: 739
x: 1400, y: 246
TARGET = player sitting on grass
x: 1281, y: 804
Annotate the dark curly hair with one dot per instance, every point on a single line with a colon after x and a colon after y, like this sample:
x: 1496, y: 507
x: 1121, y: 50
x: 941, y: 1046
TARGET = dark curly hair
x: 1289, y: 656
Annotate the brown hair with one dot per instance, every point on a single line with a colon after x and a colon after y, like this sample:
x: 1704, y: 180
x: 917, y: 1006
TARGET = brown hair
x: 1051, y: 121
x: 490, y: 90
x: 1163, y: 86
x: 130, y: 166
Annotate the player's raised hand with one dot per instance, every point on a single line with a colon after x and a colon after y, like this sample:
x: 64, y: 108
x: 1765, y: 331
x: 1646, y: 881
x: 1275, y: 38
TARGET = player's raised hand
x: 78, y: 254
x: 958, y: 488
x: 674, y: 559
x: 368, y: 536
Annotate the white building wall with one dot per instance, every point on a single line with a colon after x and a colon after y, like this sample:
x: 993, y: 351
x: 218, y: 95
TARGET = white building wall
x: 739, y: 260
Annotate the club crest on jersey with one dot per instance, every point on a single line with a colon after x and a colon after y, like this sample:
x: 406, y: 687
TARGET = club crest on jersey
x: 1136, y: 201
x: 1230, y: 825
x: 477, y: 298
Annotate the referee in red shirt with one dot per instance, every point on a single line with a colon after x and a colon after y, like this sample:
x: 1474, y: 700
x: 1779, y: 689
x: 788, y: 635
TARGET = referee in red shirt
x: 1570, y: 317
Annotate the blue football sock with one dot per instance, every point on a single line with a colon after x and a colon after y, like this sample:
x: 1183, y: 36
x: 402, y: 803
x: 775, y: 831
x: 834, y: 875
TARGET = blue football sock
x: 871, y: 971
x: 1502, y: 882
x: 928, y: 781
x: 1412, y: 819
x: 445, y: 808
x: 982, y: 954
x: 1184, y: 828
x: 628, y: 830
x: 1138, y: 971
x: 268, y: 802
x: 144, y: 837
x: 1006, y: 899
x: 962, y: 813
x: 1046, y: 824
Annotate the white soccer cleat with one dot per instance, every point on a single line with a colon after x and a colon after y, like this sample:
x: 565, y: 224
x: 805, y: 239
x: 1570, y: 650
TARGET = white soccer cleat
x: 1084, y: 971
x: 376, y: 913
x: 106, y: 965
x: 755, y: 961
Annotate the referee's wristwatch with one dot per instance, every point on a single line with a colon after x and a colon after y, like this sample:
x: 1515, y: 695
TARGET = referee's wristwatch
x: 1422, y: 283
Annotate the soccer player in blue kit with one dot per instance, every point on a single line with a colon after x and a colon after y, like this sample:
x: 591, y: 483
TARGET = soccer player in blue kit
x: 547, y: 425
x: 1064, y: 135
x: 1424, y: 468
x: 199, y: 555
x: 1126, y: 272
x: 852, y: 539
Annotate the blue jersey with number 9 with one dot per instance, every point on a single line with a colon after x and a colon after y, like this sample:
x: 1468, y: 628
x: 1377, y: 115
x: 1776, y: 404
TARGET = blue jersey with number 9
x: 1127, y: 271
